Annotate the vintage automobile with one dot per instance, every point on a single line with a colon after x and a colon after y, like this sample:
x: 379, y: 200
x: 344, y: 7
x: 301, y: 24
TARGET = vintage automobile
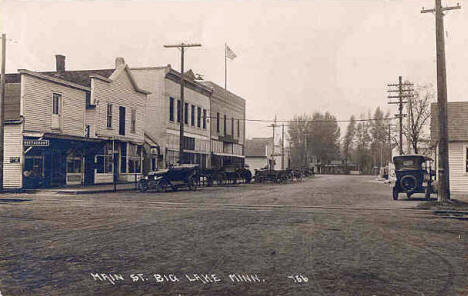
x: 413, y: 175
x: 175, y: 177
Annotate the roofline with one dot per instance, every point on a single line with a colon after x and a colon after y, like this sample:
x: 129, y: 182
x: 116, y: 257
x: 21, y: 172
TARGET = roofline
x: 150, y: 68
x: 54, y: 79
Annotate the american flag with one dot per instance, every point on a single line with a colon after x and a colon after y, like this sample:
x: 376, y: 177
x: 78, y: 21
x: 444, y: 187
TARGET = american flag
x: 229, y: 53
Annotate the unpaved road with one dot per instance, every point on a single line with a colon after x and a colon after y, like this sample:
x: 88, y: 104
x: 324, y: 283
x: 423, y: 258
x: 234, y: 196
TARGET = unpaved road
x: 340, y: 235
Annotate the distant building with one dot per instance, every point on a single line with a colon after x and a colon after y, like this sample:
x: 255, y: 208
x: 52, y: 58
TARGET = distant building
x: 73, y: 127
x: 458, y: 143
x: 258, y: 153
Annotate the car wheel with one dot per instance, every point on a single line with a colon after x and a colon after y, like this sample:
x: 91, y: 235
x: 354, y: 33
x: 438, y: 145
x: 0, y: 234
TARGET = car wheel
x: 395, y: 193
x: 162, y: 186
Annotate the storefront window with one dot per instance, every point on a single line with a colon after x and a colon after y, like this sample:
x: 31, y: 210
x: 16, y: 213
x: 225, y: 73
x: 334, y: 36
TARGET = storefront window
x: 134, y: 158
x: 33, y: 166
x: 74, y: 163
x: 104, y: 160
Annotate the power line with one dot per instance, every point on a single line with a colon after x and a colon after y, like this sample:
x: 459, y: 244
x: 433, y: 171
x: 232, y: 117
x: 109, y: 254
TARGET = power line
x: 306, y: 121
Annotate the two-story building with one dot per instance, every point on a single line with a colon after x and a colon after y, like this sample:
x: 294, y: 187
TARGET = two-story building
x: 73, y: 127
x: 227, y: 127
x: 163, y: 116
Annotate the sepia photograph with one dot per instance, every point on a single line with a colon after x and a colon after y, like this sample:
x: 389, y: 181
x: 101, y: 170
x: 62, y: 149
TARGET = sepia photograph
x: 234, y: 147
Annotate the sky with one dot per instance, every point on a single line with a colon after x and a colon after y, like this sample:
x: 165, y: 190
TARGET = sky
x: 293, y: 56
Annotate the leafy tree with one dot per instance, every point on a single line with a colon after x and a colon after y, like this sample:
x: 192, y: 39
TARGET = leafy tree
x: 349, y: 139
x: 419, y: 114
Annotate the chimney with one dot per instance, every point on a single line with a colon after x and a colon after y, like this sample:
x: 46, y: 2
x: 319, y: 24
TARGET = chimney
x: 119, y: 62
x: 60, y: 63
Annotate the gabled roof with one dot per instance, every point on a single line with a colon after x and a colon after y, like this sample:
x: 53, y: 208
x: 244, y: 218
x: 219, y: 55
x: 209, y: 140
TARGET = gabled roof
x: 457, y: 113
x: 256, y: 147
x: 81, y: 77
x: 221, y: 92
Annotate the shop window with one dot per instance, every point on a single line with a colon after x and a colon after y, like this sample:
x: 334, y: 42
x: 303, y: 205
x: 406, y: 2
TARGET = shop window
x: 172, y: 157
x: 33, y: 166
x: 74, y: 164
x: 104, y: 163
x: 134, y: 158
x: 171, y: 109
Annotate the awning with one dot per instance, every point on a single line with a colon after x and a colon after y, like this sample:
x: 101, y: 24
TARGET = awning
x: 228, y: 154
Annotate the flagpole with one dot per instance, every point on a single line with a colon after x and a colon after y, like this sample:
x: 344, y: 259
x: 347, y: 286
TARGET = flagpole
x: 225, y: 67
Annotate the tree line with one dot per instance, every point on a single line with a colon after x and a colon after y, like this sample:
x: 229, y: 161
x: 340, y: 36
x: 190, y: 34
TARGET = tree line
x: 368, y: 140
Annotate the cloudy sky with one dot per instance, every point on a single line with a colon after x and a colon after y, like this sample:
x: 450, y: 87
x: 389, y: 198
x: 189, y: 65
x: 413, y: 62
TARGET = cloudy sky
x: 294, y: 57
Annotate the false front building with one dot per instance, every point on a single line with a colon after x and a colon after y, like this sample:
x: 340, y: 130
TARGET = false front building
x: 163, y: 116
x: 227, y: 127
x: 73, y: 127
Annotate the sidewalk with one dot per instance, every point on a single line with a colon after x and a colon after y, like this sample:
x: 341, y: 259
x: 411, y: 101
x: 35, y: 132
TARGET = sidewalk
x: 90, y: 189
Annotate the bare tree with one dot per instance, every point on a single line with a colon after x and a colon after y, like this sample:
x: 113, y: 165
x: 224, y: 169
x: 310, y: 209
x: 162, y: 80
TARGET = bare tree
x: 419, y: 112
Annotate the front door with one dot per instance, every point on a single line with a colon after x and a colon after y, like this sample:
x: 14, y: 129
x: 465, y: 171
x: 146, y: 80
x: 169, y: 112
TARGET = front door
x: 57, y: 173
x: 89, y: 169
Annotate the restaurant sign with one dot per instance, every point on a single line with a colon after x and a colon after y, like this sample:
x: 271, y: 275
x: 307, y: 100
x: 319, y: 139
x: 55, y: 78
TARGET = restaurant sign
x: 41, y: 143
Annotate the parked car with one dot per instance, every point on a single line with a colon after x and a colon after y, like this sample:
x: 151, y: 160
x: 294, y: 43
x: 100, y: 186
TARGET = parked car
x: 173, y: 178
x: 413, y: 175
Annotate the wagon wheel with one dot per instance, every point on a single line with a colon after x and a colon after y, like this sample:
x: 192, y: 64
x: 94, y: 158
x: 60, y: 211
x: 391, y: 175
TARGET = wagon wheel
x: 162, y: 186
x: 192, y: 185
x: 219, y: 177
x: 427, y: 193
x: 143, y: 185
x: 247, y: 175
x: 395, y: 193
x: 235, y: 177
x: 210, y: 180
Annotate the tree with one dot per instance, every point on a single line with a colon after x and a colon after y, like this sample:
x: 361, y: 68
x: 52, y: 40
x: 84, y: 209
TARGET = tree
x: 362, y: 151
x: 349, y: 139
x: 419, y: 113
x: 314, y: 136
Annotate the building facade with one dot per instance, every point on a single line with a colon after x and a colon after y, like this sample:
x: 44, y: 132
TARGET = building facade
x: 227, y: 127
x: 163, y: 116
x: 73, y: 127
x: 457, y: 113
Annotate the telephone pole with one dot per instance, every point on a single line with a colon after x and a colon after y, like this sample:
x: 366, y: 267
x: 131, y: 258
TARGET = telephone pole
x: 273, y: 148
x: 2, y: 107
x: 182, y: 47
x: 444, y: 181
x: 404, y: 91
x: 282, y: 146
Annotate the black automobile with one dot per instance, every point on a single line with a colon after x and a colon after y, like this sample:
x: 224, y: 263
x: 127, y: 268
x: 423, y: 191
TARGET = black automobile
x: 413, y: 175
x: 175, y: 177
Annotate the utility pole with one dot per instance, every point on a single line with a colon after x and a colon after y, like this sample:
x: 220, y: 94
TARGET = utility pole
x: 2, y: 107
x: 282, y: 147
x: 182, y: 47
x: 404, y: 91
x: 273, y: 148
x: 444, y: 181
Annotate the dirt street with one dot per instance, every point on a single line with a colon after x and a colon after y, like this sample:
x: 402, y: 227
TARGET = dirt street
x: 327, y: 235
